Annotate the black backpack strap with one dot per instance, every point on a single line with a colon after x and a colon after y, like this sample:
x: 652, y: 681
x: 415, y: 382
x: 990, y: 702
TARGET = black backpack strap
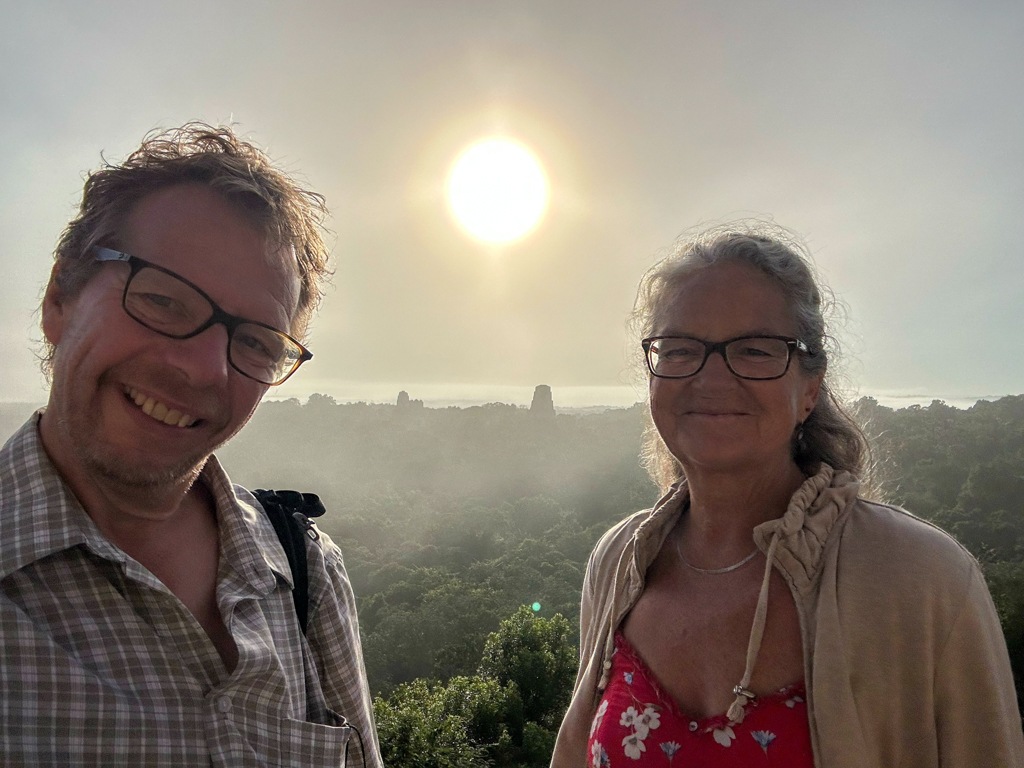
x: 290, y: 513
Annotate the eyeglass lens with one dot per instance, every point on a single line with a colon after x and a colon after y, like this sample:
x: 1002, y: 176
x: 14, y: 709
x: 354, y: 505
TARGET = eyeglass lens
x: 755, y: 358
x: 165, y: 304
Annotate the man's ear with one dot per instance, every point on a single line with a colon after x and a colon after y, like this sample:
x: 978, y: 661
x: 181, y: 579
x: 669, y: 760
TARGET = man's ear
x: 54, y: 310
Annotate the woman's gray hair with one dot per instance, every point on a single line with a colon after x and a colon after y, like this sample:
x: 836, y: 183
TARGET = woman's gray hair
x: 829, y: 434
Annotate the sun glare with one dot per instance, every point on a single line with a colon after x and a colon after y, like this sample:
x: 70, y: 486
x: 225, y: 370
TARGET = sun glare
x: 497, y: 190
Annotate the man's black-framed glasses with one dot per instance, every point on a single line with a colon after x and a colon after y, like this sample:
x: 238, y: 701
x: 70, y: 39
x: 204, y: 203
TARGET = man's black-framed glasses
x: 749, y: 357
x: 167, y: 303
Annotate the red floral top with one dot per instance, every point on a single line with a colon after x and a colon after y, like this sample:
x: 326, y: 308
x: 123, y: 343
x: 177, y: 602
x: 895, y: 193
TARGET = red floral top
x: 637, y: 724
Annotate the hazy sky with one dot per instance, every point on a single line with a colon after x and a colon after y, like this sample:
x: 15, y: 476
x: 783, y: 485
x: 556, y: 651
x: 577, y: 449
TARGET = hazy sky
x: 889, y: 134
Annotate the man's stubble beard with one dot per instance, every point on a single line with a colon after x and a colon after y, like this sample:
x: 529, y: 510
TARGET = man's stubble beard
x: 114, y: 466
x: 117, y: 470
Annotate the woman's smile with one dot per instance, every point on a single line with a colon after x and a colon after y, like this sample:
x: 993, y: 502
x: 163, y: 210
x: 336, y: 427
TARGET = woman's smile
x: 714, y: 418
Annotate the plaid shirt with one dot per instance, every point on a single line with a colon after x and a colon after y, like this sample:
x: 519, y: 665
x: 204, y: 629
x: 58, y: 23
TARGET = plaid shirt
x: 100, y: 664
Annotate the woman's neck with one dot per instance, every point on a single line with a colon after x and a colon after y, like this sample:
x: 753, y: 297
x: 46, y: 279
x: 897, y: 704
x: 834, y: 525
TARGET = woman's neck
x: 725, y: 507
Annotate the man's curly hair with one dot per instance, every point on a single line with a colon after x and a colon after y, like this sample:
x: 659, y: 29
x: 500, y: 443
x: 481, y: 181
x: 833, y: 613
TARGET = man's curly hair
x: 196, y: 153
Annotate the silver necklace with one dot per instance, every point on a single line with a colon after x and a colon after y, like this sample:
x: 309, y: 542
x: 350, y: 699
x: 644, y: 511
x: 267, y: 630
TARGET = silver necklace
x: 714, y: 571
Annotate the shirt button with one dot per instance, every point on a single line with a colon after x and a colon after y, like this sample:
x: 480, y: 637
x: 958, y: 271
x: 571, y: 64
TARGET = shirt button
x: 693, y: 725
x: 224, y: 704
x: 607, y: 665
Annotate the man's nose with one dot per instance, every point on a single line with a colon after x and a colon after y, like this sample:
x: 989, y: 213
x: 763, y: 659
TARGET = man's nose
x: 203, y: 358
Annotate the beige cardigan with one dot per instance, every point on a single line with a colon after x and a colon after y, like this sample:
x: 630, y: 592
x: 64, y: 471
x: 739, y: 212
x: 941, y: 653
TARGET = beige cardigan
x: 904, y: 659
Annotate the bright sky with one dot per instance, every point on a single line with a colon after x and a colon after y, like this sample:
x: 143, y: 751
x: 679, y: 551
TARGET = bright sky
x: 888, y: 133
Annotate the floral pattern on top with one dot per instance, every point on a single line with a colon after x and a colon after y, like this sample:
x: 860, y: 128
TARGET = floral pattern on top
x: 598, y: 717
x: 638, y: 725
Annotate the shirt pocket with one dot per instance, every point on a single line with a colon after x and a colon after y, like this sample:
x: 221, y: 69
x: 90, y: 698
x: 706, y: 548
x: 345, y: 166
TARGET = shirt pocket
x: 313, y: 745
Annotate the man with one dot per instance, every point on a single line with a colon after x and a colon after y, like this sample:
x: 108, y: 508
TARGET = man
x: 146, y: 614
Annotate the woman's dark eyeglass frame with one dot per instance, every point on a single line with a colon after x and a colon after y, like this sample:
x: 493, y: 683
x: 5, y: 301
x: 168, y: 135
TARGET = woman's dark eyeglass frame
x: 218, y: 317
x: 710, y: 347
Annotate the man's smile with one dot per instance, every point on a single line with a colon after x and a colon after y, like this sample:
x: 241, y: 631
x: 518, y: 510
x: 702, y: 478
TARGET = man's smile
x: 159, y: 411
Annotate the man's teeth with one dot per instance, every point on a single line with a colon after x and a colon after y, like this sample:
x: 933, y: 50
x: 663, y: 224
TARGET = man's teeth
x: 158, y: 410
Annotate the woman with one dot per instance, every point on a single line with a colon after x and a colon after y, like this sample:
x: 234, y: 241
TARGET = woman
x: 763, y: 613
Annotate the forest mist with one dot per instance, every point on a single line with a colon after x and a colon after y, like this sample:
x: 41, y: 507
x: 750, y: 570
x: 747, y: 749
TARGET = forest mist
x: 451, y: 520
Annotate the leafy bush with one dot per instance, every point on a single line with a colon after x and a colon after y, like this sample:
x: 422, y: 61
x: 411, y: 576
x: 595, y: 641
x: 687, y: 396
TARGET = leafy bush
x: 416, y: 731
x: 506, y: 716
x: 536, y: 656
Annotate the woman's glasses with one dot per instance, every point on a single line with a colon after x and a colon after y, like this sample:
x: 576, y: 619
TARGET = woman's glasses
x: 749, y: 357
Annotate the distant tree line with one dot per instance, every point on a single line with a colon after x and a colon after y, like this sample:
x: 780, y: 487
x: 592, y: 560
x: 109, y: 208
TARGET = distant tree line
x: 451, y: 520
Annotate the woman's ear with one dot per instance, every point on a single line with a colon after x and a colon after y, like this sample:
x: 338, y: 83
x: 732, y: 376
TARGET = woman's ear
x: 809, y: 397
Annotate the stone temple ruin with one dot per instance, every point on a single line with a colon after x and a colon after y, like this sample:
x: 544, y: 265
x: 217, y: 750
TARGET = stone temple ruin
x: 542, y: 404
x: 405, y: 403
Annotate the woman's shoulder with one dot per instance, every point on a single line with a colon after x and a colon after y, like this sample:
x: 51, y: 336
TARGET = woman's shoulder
x: 891, y: 543
x: 616, y: 539
x: 637, y: 538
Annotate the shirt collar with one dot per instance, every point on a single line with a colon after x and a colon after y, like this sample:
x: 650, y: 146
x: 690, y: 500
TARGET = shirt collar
x: 40, y: 516
x: 248, y: 539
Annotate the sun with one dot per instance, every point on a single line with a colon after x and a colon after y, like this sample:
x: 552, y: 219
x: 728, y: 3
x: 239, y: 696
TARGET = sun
x: 497, y: 190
